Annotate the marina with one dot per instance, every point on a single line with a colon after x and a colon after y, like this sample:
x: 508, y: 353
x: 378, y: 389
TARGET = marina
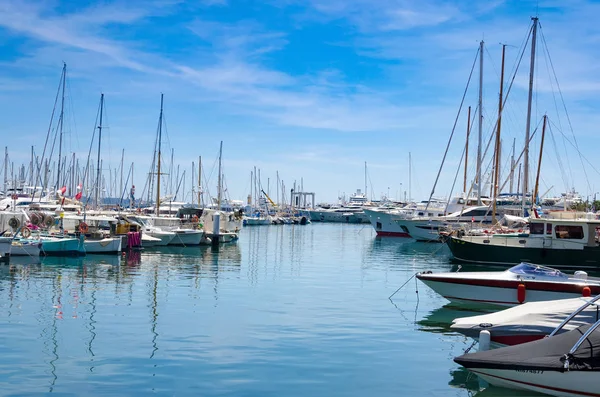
x: 421, y: 216
x: 291, y: 309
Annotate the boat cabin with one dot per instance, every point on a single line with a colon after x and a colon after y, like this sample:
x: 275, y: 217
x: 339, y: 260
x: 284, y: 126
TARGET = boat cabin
x: 580, y: 231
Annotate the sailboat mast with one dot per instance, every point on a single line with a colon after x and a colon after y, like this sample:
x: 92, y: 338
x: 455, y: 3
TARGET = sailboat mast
x: 512, y: 167
x: 537, y: 177
x: 62, y: 114
x: 410, y: 177
x: 158, y: 158
x: 480, y: 117
x: 497, y: 151
x: 467, y: 149
x: 99, y: 144
x: 219, y: 179
x: 529, y: 102
x: 365, y: 179
x: 199, y: 181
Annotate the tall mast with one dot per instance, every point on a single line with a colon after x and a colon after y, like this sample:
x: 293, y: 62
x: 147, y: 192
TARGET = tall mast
x: 62, y: 114
x: 529, y: 102
x: 365, y: 179
x: 480, y: 117
x: 5, y: 170
x: 121, y: 182
x: 512, y: 166
x: 467, y: 150
x: 537, y: 177
x: 31, y: 168
x: 410, y: 177
x: 99, y: 143
x: 219, y: 181
x: 158, y: 158
x: 199, y: 180
x: 497, y: 151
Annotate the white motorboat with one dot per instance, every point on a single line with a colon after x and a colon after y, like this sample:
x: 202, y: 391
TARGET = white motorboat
x: 107, y: 245
x: 529, y: 321
x: 519, y: 284
x: 561, y: 365
x: 186, y: 237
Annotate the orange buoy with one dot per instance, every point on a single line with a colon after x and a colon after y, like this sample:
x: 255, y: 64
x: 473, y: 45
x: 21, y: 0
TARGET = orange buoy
x: 83, y: 227
x: 586, y: 292
x: 521, y: 293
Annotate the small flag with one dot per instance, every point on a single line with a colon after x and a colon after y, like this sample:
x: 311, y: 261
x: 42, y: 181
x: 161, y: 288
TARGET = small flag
x: 63, y: 190
x: 472, y: 219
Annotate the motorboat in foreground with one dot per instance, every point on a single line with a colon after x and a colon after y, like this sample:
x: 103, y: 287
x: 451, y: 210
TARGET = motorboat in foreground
x: 567, y: 364
x: 529, y: 321
x: 519, y: 284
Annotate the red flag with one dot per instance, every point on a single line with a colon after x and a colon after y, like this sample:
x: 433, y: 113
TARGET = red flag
x: 63, y: 190
x: 78, y: 196
x: 472, y: 219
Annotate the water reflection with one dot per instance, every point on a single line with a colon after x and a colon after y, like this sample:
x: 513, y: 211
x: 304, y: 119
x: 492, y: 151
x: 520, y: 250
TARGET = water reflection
x: 440, y: 320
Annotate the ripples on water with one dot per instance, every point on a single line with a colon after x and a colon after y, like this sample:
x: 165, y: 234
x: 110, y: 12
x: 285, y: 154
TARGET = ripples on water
x: 287, y: 311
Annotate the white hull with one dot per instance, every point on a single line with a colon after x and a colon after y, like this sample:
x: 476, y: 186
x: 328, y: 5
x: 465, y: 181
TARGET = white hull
x: 498, y: 296
x: 554, y: 383
x: 164, y: 237
x: 250, y: 221
x: 25, y: 249
x: 422, y: 229
x: 386, y: 223
x: 187, y: 237
x: 104, y: 246
x: 536, y: 283
x: 149, y: 241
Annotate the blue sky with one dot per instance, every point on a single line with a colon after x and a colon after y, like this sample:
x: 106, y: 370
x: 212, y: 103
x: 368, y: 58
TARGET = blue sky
x: 311, y: 89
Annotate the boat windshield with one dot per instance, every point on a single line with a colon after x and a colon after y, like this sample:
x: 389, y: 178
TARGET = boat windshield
x: 536, y: 270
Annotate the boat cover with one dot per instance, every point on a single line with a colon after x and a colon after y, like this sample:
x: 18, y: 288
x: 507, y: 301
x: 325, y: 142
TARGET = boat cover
x: 546, y: 354
x: 533, y: 318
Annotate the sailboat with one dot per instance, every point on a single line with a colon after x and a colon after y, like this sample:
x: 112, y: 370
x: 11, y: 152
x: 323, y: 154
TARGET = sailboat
x: 221, y: 226
x: 174, y: 232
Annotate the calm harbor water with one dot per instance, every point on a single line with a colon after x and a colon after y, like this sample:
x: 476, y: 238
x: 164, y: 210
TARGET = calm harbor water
x: 287, y: 311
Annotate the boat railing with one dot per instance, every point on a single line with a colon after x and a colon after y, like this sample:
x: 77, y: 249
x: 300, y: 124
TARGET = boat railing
x: 579, y: 342
x: 575, y: 313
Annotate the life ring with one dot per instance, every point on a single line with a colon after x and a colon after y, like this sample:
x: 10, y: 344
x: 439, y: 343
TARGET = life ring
x: 26, y: 232
x: 195, y: 218
x: 14, y: 223
x: 83, y: 227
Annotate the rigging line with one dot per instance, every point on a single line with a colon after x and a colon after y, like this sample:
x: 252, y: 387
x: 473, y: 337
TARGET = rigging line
x: 563, y: 175
x: 579, y: 152
x: 453, y: 128
x: 87, y: 166
x: 558, y: 159
x: 72, y: 113
x: 565, y: 108
x: 47, y: 137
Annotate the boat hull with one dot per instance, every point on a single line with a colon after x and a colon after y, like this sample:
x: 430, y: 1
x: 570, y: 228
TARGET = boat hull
x: 60, y: 247
x: 185, y: 238
x: 104, y: 246
x: 386, y: 224
x: 25, y: 249
x: 467, y: 251
x: 567, y: 384
x: 501, y: 292
x: 422, y: 230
